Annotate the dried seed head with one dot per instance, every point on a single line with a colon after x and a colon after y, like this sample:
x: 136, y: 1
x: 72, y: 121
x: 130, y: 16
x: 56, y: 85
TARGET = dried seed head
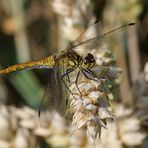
x: 90, y: 108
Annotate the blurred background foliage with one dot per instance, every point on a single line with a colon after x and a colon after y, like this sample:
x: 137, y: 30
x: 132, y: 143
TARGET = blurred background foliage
x: 33, y: 29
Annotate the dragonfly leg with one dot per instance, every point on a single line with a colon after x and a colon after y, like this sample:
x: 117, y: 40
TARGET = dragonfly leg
x: 68, y: 71
x: 84, y: 72
x: 95, y: 77
x: 76, y: 83
x: 91, y: 72
x: 67, y: 74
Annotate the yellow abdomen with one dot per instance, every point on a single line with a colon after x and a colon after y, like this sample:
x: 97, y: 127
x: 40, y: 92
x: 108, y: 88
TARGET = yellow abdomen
x: 47, y: 62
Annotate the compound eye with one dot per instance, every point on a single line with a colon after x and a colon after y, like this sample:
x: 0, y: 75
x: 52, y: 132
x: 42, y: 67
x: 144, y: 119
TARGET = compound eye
x: 90, y: 58
x: 88, y: 61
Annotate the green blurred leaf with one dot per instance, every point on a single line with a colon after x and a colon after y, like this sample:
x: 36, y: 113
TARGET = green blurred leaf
x: 28, y: 86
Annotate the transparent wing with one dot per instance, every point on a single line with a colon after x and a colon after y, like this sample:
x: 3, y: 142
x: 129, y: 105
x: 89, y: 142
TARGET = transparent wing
x: 62, y: 92
x: 46, y: 110
x: 108, y: 39
x: 88, y: 32
x: 54, y: 99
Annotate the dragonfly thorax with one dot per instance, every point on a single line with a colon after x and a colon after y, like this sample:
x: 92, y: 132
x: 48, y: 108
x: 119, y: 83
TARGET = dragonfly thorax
x: 74, y: 59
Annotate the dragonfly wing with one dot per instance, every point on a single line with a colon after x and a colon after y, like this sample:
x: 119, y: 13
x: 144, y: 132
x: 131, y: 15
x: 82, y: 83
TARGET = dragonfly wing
x: 54, y: 99
x: 62, y: 93
x: 107, y: 40
x: 46, y: 110
x: 88, y: 32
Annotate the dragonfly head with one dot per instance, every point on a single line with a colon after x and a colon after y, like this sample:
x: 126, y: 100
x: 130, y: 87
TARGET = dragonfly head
x: 88, y: 61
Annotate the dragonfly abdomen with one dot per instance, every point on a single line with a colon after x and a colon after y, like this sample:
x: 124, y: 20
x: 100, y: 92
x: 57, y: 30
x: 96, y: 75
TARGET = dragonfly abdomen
x: 47, y: 62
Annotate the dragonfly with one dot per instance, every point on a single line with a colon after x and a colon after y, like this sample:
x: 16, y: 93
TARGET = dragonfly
x: 70, y: 60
